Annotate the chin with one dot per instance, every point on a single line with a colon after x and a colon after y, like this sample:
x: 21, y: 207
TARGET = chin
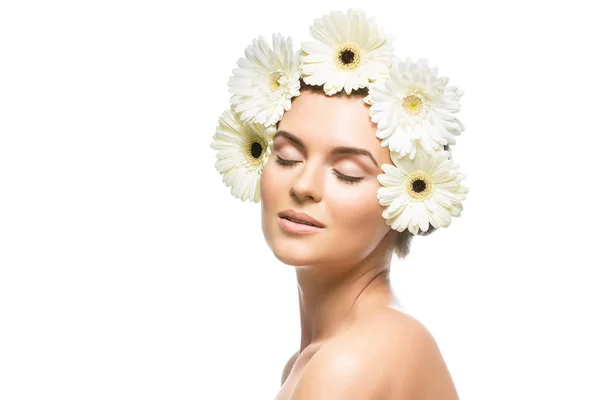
x: 291, y: 252
x: 289, y: 248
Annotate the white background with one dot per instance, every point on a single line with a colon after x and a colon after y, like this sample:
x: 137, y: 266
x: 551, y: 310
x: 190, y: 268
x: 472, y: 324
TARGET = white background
x: 128, y: 271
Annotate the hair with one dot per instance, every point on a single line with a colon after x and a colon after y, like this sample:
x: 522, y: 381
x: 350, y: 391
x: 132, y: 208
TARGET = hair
x: 404, y: 238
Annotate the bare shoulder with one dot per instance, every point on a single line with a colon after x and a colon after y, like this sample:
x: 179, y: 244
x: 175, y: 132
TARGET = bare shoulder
x: 388, y: 355
x: 415, y: 361
x: 288, y: 367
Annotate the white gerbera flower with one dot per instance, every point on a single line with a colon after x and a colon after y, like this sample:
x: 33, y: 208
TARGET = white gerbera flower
x: 266, y: 81
x: 243, y: 150
x: 415, y: 109
x: 422, y: 191
x: 350, y: 52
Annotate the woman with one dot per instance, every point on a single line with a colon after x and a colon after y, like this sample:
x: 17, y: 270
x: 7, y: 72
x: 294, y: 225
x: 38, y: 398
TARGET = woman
x: 313, y: 154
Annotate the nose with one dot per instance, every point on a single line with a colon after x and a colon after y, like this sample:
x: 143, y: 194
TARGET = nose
x: 308, y: 183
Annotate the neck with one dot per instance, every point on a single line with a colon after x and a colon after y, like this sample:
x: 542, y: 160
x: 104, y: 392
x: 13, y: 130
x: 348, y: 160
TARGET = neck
x: 332, y: 297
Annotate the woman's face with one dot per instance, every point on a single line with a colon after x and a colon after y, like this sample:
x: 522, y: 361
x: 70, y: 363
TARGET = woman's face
x: 315, y: 185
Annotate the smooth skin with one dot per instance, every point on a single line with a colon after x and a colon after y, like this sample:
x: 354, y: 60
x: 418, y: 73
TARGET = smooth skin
x: 356, y: 342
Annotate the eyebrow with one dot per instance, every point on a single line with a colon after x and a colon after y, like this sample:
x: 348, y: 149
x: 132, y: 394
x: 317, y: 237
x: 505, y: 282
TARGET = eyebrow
x: 337, y: 150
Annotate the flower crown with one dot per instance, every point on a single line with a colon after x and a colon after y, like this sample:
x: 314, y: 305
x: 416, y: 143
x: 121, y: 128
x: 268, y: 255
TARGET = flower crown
x: 413, y: 108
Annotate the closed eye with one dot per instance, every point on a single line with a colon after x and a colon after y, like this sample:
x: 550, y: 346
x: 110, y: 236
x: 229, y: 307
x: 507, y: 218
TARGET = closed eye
x: 340, y: 176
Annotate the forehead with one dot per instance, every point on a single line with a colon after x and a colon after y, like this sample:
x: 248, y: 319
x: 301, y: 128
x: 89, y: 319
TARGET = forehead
x: 322, y: 121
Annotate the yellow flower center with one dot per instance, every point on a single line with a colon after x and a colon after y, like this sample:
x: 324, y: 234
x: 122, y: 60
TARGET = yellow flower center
x: 412, y: 104
x: 415, y: 104
x: 273, y: 81
x: 348, y: 57
x: 419, y: 185
x: 255, y: 147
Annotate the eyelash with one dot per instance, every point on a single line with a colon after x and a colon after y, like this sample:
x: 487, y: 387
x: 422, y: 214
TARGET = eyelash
x: 348, y: 179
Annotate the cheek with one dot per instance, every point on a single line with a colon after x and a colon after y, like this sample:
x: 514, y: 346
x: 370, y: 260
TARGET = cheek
x: 268, y: 183
x: 358, y: 207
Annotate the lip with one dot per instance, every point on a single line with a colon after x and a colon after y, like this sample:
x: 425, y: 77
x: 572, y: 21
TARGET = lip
x: 298, y: 228
x: 302, y: 217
